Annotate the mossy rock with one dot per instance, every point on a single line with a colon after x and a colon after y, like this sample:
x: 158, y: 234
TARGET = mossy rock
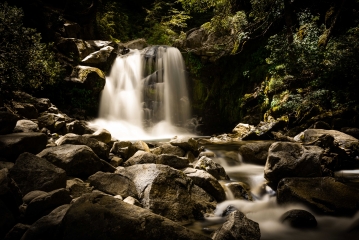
x: 90, y: 77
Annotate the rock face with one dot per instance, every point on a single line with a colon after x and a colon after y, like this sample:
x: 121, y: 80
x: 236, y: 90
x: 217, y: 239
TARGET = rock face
x: 213, y: 168
x: 89, y: 78
x: 292, y: 160
x: 162, y: 189
x: 325, y: 195
x: 298, y: 218
x: 33, y: 173
x: 97, y: 216
x: 100, y: 59
x: 12, y: 145
x: 26, y: 126
x: 114, y: 184
x: 256, y: 152
x: 7, y: 122
x: 76, y: 160
x: 238, y: 227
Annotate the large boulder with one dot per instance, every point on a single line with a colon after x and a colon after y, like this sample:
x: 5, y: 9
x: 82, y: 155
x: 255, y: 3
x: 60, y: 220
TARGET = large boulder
x: 255, y: 152
x: 292, y: 160
x: 76, y: 160
x: 186, y: 143
x: 34, y: 173
x: 100, y: 148
x: 122, y: 148
x: 101, y: 59
x: 26, y: 126
x: 137, y: 146
x: 238, y: 227
x: 52, y: 121
x: 325, y: 195
x: 203, y: 203
x: 12, y: 145
x: 114, y: 184
x: 141, y: 157
x: 17, y: 232
x: 78, y: 48
x: 162, y: 189
x: 173, y: 161
x: 89, y: 78
x: 263, y: 131
x: 213, y: 168
x: 78, y: 127
x: 97, y: 216
x: 168, y: 149
x: 101, y: 135
x: 26, y: 110
x: 298, y: 218
x: 136, y: 44
x: 7, y: 122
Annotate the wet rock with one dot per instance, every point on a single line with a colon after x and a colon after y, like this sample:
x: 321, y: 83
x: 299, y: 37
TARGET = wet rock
x: 77, y: 187
x: 207, y: 182
x: 238, y: 227
x: 101, y: 135
x: 79, y: 48
x: 26, y: 110
x: 173, y: 161
x: 240, y: 190
x: 26, y: 126
x: 263, y: 130
x: 292, y: 160
x: 7, y: 122
x: 137, y: 146
x: 132, y: 201
x: 298, y: 218
x: 203, y: 203
x: 96, y: 216
x: 116, y: 161
x: 100, y: 148
x: 186, y: 143
x: 78, y: 127
x: 101, y: 59
x: 242, y: 130
x: 141, y: 157
x: 325, y: 195
x: 17, y: 232
x: 98, y: 44
x: 136, y: 44
x: 34, y: 173
x: 255, y: 152
x: 229, y: 209
x: 12, y: 145
x: 121, y: 148
x: 168, y: 149
x: 213, y: 168
x: 53, y: 122
x: 77, y: 160
x: 114, y: 184
x: 163, y: 190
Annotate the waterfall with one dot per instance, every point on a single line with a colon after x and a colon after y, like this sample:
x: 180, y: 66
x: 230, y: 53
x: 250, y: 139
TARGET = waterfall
x: 145, y: 96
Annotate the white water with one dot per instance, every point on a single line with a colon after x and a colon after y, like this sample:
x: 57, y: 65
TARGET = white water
x: 134, y: 106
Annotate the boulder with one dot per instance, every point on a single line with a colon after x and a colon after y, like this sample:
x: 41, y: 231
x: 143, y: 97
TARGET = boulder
x: 137, y: 146
x: 7, y: 165
x: 77, y: 160
x: 255, y: 152
x: 168, y: 149
x: 136, y: 44
x: 242, y: 130
x: 132, y: 201
x: 298, y: 218
x: 97, y: 216
x: 32, y: 195
x: 78, y: 48
x: 12, y: 145
x: 98, y: 44
x: 141, y: 157
x: 213, y: 168
x: 34, y: 173
x: 186, y: 143
x: 203, y: 203
x: 121, y: 148
x: 101, y: 135
x: 354, y: 132
x: 7, y: 122
x: 77, y: 187
x: 42, y: 104
x: 292, y: 160
x: 89, y: 78
x: 173, y: 161
x: 163, y: 190
x: 53, y: 122
x: 240, y: 190
x: 238, y: 227
x: 116, y: 161
x: 101, y: 59
x: 207, y: 154
x: 26, y: 110
x: 207, y: 182
x: 17, y: 232
x: 114, y: 184
x: 26, y: 126
x: 325, y: 195
x: 78, y: 127
x: 100, y: 148
x: 263, y: 131
x: 196, y: 38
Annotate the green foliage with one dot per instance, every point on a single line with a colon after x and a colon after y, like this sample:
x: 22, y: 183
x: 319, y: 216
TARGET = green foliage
x: 25, y: 62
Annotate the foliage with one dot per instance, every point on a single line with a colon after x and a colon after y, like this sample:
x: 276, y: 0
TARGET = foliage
x: 25, y: 62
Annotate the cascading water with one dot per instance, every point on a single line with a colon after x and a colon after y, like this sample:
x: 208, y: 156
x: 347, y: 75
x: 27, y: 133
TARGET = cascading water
x: 145, y: 96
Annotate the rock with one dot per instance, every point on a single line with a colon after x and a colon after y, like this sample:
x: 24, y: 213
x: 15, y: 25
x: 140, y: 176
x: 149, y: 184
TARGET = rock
x: 26, y: 110
x: 255, y: 152
x: 238, y: 227
x: 53, y: 122
x: 207, y: 154
x: 47, y: 227
x: 97, y: 216
x: 33, y: 173
x: 137, y: 146
x: 132, y: 201
x: 10, y: 194
x: 141, y: 157
x: 101, y: 59
x: 136, y: 44
x: 213, y: 168
x: 26, y: 126
x: 321, y: 125
x: 98, y: 44
x: 78, y: 127
x: 292, y: 160
x: 12, y: 145
x: 263, y: 130
x: 195, y: 38
x: 42, y: 104
x: 173, y: 161
x: 163, y: 190
x: 77, y: 160
x: 354, y: 132
x: 100, y: 148
x: 242, y: 130
x: 72, y: 30
x: 168, y: 149
x: 121, y: 148
x: 114, y: 184
x: 77, y: 187
x: 298, y: 218
x: 190, y: 156
x: 203, y: 203
x: 240, y: 190
x: 45, y: 203
x: 186, y: 143
x: 17, y: 232
x: 32, y: 195
x: 7, y: 122
x: 325, y: 195
x: 207, y: 182
x: 7, y: 165
x: 116, y: 161
x: 77, y: 47
x: 101, y: 135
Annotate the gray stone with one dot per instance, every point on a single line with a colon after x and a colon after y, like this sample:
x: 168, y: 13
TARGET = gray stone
x: 116, y: 161
x: 78, y: 127
x: 173, y: 161
x: 168, y: 149
x: 141, y: 157
x: 99, y: 59
x: 255, y: 152
x: 17, y: 232
x: 298, y: 218
x: 32, y: 195
x: 136, y: 44
x: 53, y: 122
x: 203, y: 203
x: 101, y: 135
x: 186, y: 143
x: 213, y: 168
x: 26, y: 126
x: 240, y: 190
x: 77, y: 187
x: 121, y: 148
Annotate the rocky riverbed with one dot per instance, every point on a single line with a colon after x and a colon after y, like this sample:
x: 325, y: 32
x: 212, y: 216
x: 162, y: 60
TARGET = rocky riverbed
x: 60, y: 179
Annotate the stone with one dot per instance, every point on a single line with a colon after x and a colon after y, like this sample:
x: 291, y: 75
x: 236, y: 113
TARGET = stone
x: 132, y: 201
x: 17, y: 232
x: 321, y: 125
x: 26, y: 126
x: 77, y: 160
x: 100, y: 148
x: 354, y: 132
x: 42, y: 104
x: 136, y: 44
x: 238, y: 227
x: 168, y: 149
x: 72, y: 30
x: 137, y: 146
x: 7, y: 165
x: 207, y: 182
x: 298, y: 218
x: 53, y: 122
x: 213, y: 168
x: 207, y: 154
x: 173, y: 161
x: 7, y: 122
x: 263, y: 130
x: 78, y: 127
x: 114, y: 184
x: 196, y: 38
x: 242, y: 130
x: 255, y: 152
x: 325, y: 195
x: 100, y: 59
x: 186, y: 143
x: 292, y: 160
x: 32, y: 195
x: 240, y: 190
x: 163, y: 190
x: 141, y: 157
x: 12, y: 145
x: 121, y: 148
x: 77, y: 187
x: 88, y: 78
x: 77, y: 47
x: 203, y: 203
x: 101, y: 135
x: 98, y: 44
x: 116, y: 161
x: 97, y: 216
x: 34, y: 173
x: 26, y: 110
